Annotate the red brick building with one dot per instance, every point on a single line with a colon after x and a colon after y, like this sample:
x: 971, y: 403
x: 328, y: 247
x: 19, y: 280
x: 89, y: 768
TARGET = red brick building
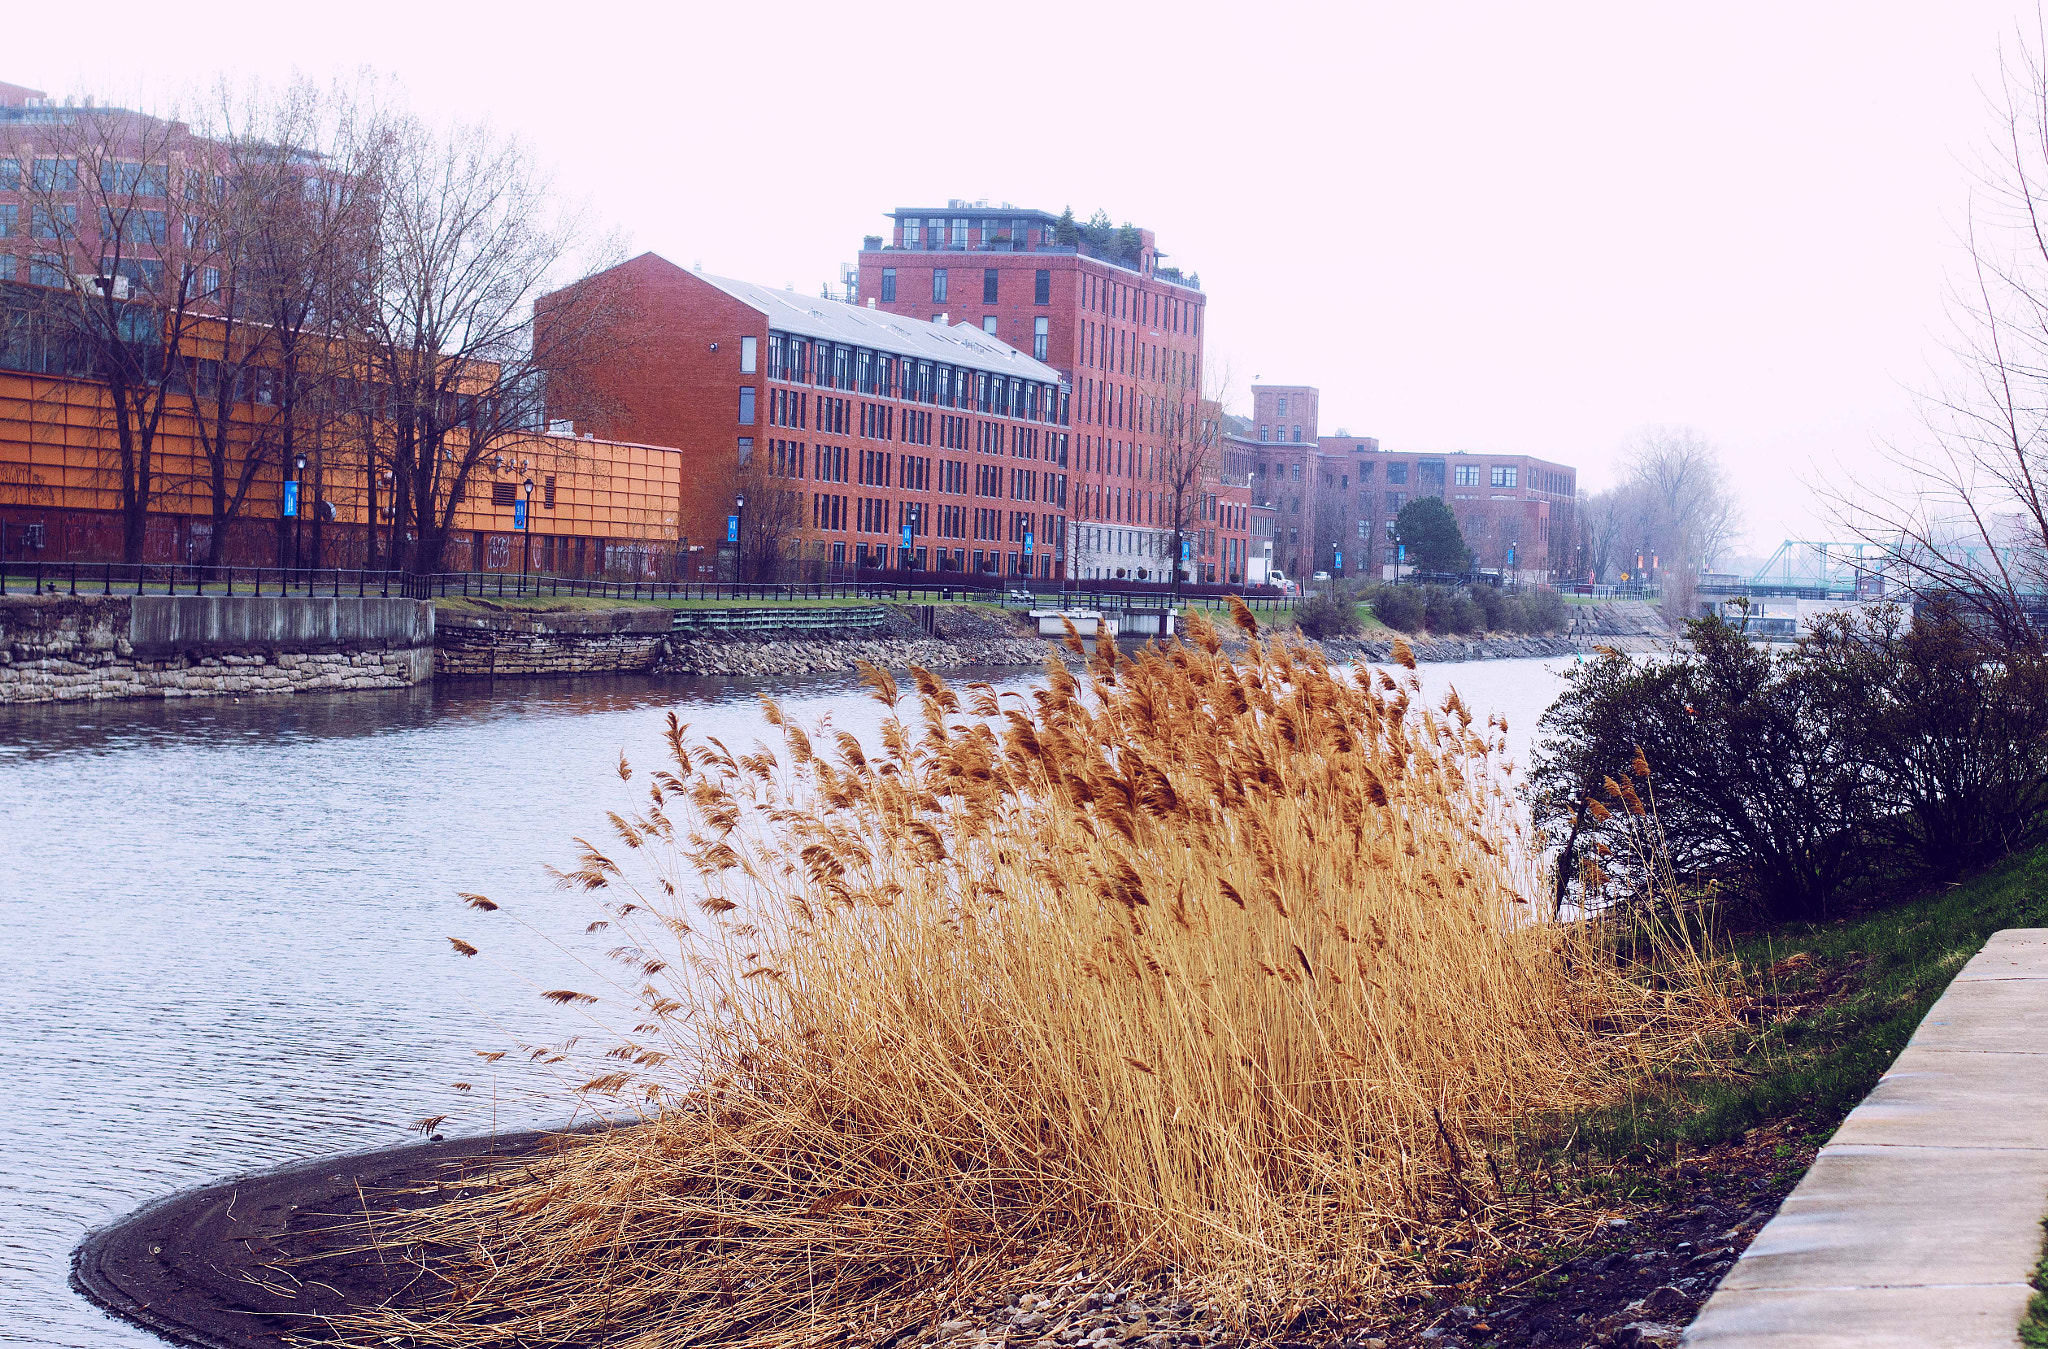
x: 1334, y: 498
x: 1126, y: 334
x: 858, y: 437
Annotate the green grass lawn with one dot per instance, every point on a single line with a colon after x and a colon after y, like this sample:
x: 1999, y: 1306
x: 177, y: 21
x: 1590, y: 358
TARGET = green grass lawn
x: 1860, y: 985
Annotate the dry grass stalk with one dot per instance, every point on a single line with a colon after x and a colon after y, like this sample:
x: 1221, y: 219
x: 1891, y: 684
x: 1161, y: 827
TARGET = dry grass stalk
x: 1207, y: 969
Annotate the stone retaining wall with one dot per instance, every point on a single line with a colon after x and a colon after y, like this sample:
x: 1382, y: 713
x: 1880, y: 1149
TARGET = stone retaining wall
x: 738, y: 656
x: 585, y: 642
x: 512, y: 644
x: 63, y: 648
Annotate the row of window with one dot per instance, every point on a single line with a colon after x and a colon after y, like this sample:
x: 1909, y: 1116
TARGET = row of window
x: 121, y: 176
x: 1106, y: 403
x: 1467, y: 475
x: 1115, y: 299
x: 1118, y: 351
x: 989, y: 232
x: 836, y: 365
x: 909, y: 472
x: 991, y: 286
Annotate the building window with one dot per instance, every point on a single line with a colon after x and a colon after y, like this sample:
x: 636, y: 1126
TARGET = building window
x: 1281, y: 410
x: 1465, y: 475
x: 912, y: 233
x: 889, y: 284
x: 1263, y: 433
x: 749, y: 353
x: 959, y: 232
x: 746, y: 405
x: 988, y: 284
x: 547, y: 492
x: 1504, y: 477
x: 1039, y: 337
x: 54, y: 175
x: 1041, y: 287
x: 938, y: 285
x: 1397, y: 473
x: 746, y: 450
x: 988, y: 325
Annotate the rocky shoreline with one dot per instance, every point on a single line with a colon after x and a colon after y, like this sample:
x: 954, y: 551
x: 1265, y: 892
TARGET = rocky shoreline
x: 791, y: 656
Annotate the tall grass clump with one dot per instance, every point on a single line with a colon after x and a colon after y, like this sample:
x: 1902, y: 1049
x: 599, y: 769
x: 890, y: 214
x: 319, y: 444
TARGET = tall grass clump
x: 1223, y: 971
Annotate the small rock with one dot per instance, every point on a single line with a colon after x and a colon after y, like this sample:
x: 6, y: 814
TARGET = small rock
x: 1665, y: 1299
x: 1650, y: 1334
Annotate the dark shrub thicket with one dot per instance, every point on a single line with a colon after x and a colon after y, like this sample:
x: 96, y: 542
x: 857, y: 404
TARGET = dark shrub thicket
x: 1449, y: 609
x: 1880, y: 744
x: 1323, y: 616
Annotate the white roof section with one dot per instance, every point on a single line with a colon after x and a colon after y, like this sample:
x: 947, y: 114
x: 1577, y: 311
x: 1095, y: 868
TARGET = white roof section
x: 962, y: 344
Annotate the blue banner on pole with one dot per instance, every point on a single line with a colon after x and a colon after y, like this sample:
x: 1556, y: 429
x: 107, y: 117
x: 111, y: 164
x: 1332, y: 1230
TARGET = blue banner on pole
x: 1027, y: 545
x: 1340, y: 560
x: 518, y: 515
x: 732, y: 529
x: 291, y: 498
x: 906, y: 536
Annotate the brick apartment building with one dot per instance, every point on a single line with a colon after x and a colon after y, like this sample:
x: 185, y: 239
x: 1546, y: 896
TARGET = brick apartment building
x: 1122, y: 330
x: 595, y: 508
x: 860, y: 438
x: 1339, y: 495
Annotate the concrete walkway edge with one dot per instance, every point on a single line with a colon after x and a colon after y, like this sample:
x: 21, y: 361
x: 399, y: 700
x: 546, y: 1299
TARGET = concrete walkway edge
x: 1920, y: 1221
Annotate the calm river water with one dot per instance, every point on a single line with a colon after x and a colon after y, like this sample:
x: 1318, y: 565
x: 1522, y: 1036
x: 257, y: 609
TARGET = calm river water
x: 223, y: 925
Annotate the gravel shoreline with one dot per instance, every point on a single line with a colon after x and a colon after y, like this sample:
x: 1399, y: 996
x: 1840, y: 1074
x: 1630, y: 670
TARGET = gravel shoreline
x: 263, y: 1260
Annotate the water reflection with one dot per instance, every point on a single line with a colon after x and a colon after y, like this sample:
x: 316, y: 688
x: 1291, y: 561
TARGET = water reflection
x: 223, y: 925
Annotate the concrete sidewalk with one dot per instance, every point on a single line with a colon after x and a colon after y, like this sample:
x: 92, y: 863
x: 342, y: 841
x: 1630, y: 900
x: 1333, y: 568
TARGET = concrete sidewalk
x: 1920, y: 1221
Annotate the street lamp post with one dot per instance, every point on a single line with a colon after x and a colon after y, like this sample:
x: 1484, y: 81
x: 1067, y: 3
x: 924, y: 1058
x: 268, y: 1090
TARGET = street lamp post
x: 526, y: 535
x: 299, y: 513
x: 739, y: 532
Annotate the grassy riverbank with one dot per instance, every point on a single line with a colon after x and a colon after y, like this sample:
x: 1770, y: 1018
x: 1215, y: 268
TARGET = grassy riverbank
x: 1696, y: 1162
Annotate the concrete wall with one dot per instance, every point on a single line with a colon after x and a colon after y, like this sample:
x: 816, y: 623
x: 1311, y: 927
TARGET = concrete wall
x: 63, y: 648
x: 160, y: 624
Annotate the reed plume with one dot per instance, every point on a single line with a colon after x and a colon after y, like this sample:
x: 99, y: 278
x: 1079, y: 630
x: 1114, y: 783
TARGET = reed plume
x: 1191, y: 967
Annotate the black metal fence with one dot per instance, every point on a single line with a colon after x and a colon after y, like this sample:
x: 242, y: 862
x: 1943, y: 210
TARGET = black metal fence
x: 119, y: 578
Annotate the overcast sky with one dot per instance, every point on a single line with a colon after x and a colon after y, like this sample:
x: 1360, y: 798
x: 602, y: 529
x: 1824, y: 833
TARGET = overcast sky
x: 1482, y: 227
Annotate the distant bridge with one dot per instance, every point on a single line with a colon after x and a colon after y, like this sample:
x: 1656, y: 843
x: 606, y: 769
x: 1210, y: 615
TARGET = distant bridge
x: 1814, y: 569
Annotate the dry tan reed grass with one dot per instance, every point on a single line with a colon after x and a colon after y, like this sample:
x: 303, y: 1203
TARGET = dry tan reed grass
x: 1216, y: 970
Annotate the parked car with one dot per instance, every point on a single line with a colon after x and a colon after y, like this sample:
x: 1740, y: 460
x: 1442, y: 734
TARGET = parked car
x: 1320, y: 576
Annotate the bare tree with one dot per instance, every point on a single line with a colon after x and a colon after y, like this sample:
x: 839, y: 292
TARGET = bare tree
x: 1675, y: 506
x: 1189, y: 462
x: 767, y: 549
x: 1968, y: 517
x: 277, y: 222
x: 1603, y: 518
x: 123, y: 286
x: 303, y: 170
x: 444, y: 325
